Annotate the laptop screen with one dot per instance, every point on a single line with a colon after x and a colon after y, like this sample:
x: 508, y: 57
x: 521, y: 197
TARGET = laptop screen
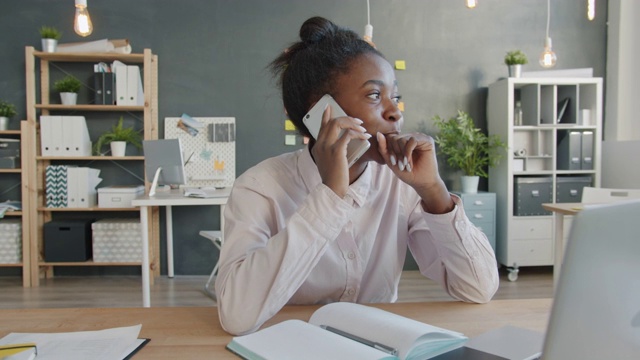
x: 596, y: 309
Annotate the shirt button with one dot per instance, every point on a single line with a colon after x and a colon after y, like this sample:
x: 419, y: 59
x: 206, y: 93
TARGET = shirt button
x: 351, y: 292
x: 351, y: 255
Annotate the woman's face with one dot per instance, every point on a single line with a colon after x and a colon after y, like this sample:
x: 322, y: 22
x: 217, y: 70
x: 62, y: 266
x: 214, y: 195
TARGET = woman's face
x: 369, y: 92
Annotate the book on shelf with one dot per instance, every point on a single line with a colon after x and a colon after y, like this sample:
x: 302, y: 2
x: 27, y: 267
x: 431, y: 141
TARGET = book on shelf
x: 119, y: 46
x: 345, y: 330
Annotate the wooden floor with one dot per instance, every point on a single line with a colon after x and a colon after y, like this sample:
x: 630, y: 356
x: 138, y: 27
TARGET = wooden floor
x: 125, y: 291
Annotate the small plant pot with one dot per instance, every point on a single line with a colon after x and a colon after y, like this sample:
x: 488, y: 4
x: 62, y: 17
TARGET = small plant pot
x: 515, y: 71
x: 470, y: 184
x: 118, y: 148
x: 49, y: 45
x: 4, y: 123
x: 68, y: 98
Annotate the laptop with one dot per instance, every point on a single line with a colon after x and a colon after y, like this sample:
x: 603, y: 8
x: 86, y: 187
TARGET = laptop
x: 596, y: 307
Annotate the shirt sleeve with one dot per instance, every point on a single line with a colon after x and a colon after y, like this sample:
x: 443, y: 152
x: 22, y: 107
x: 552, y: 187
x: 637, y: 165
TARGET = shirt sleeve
x: 261, y: 267
x: 449, y: 249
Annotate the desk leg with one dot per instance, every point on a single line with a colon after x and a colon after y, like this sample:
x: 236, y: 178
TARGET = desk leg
x: 144, y: 224
x: 169, y: 216
x: 559, y: 247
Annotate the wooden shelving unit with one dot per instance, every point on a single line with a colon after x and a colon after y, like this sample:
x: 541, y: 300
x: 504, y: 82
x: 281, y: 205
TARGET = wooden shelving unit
x: 39, y: 103
x: 22, y: 176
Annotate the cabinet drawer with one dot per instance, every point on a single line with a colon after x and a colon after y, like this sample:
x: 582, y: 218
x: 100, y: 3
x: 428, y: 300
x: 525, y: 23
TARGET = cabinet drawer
x: 480, y: 215
x: 531, y: 228
x: 531, y: 252
x: 478, y: 202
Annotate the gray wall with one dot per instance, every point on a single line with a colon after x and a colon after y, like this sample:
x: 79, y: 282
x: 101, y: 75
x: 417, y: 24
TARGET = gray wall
x: 213, y: 53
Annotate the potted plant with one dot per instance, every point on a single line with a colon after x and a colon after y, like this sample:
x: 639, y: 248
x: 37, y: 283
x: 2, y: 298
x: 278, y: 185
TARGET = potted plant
x: 514, y: 60
x: 467, y: 148
x: 50, y: 36
x: 7, y: 110
x: 118, y: 138
x: 69, y: 86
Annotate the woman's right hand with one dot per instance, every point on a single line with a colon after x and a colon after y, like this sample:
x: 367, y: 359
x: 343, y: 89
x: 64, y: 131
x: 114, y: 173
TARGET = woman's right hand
x: 330, y: 149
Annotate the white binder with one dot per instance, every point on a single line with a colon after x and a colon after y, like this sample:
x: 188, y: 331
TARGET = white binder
x: 57, y: 133
x: 122, y: 97
x: 46, y: 131
x: 73, y: 177
x: 76, y: 136
x: 87, y: 194
x: 135, y: 90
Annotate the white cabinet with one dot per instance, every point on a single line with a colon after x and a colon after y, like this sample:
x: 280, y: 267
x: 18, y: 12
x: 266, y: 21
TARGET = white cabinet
x: 550, y: 158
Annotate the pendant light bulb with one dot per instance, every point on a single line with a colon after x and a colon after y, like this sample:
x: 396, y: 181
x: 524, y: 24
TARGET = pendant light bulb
x: 471, y: 3
x: 591, y: 9
x: 548, y: 57
x: 82, y: 21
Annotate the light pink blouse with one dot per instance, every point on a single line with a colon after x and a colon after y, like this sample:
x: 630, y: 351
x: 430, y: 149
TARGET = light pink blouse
x: 289, y: 239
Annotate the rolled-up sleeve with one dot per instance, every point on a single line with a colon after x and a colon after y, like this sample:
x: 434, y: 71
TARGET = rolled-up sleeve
x: 449, y: 249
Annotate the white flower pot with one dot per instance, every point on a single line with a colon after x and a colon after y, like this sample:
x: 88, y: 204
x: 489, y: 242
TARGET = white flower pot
x: 470, y: 184
x: 68, y: 98
x: 515, y: 70
x: 118, y: 148
x: 49, y: 45
x: 4, y: 123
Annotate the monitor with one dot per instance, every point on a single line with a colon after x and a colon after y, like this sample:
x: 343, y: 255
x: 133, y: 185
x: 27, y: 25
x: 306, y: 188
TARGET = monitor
x: 164, y: 159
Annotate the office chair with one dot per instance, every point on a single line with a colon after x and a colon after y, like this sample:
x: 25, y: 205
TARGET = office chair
x: 216, y: 239
x: 591, y: 195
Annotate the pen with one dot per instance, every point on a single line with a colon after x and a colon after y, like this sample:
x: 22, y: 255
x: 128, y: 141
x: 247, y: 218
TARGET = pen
x: 373, y: 344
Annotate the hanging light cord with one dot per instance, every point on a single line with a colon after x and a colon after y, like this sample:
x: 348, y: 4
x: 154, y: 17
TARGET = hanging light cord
x: 548, y: 18
x: 369, y: 14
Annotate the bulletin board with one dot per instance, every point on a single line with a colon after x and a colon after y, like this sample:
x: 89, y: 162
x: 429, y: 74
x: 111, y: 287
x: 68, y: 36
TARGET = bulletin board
x: 209, y: 154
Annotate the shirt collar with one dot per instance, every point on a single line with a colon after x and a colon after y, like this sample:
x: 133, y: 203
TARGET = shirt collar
x: 311, y: 177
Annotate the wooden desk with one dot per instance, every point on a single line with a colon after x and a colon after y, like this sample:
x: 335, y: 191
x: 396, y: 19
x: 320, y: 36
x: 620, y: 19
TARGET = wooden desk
x: 195, y: 332
x: 169, y: 199
x: 560, y: 210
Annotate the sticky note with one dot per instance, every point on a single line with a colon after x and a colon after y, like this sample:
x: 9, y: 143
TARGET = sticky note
x: 401, y: 106
x: 400, y: 65
x: 289, y: 139
x: 288, y: 125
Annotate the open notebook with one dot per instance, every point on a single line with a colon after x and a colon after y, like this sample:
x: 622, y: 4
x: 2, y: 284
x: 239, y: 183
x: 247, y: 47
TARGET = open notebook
x: 347, y: 331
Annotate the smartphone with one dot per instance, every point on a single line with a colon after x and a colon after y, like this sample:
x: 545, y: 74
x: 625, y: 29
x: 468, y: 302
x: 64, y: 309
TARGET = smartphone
x: 313, y: 120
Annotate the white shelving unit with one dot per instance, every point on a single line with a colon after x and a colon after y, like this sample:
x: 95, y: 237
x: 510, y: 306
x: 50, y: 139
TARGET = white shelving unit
x: 536, y: 156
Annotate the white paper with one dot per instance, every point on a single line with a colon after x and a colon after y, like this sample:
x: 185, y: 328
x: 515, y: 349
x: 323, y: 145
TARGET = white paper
x: 108, y: 344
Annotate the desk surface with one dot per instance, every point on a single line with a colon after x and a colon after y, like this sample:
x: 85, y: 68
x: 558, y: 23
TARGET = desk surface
x: 564, y: 208
x: 195, y: 332
x: 175, y: 197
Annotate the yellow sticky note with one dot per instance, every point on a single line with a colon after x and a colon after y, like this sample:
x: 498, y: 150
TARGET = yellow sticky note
x: 400, y: 65
x: 288, y: 125
x: 401, y: 106
x: 289, y: 139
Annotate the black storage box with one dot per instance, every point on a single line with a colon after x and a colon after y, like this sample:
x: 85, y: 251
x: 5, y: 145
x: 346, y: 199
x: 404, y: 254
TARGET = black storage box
x: 530, y: 193
x: 67, y: 240
x: 569, y: 188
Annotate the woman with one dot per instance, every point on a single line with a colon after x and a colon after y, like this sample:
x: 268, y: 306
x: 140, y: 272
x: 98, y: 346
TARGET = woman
x: 304, y: 228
